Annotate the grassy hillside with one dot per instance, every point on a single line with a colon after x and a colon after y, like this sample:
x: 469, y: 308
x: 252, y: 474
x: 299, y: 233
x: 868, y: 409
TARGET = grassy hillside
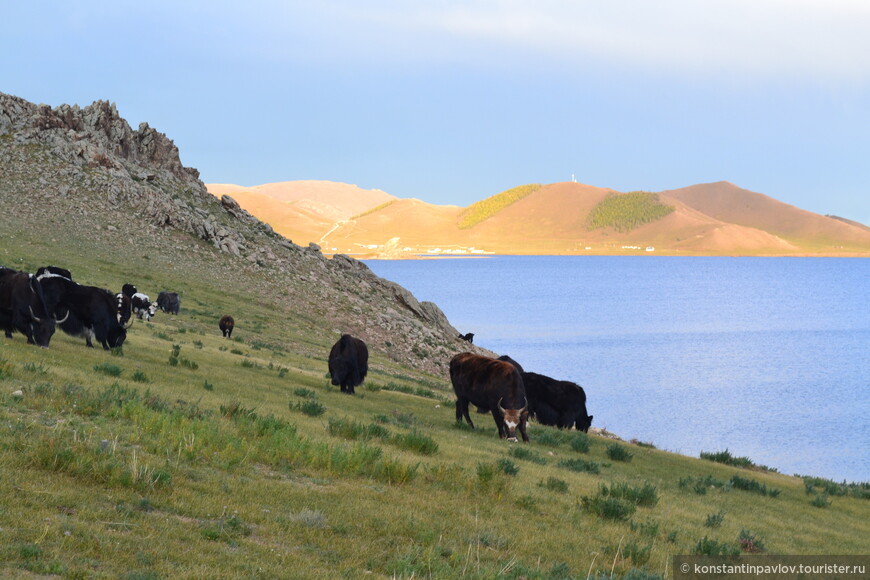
x: 627, y: 211
x: 486, y: 208
x: 191, y: 456
x: 187, y: 455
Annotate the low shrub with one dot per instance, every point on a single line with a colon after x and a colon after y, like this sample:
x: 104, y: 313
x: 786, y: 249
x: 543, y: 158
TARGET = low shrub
x: 642, y: 496
x: 749, y: 542
x: 33, y: 367
x: 554, y: 484
x: 637, y: 554
x: 580, y: 465
x: 228, y: 529
x: 508, y: 466
x: 110, y: 369
x: 416, y: 442
x: 354, y: 431
x: 710, y: 547
x: 820, y: 501
x: 552, y: 437
x: 398, y: 418
x: 617, y: 452
x: 609, y: 508
x: 579, y: 442
x: 715, y: 520
x: 491, y: 480
x: 310, y: 408
x: 649, y: 528
x: 726, y: 458
x: 234, y: 409
x: 752, y: 485
x: 527, y: 455
x: 832, y: 488
x: 528, y: 502
x: 700, y: 484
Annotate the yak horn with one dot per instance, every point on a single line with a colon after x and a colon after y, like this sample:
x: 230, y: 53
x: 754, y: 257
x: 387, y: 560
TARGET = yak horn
x: 33, y: 316
x: 500, y: 408
x: 62, y: 320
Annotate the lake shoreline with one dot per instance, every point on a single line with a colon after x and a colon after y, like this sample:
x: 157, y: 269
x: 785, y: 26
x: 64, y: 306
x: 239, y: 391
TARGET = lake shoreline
x: 419, y: 256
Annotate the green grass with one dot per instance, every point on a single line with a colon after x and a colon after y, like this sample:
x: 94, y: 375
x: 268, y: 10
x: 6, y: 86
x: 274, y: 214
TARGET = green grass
x: 486, y: 208
x: 375, y: 209
x: 627, y: 211
x: 164, y: 471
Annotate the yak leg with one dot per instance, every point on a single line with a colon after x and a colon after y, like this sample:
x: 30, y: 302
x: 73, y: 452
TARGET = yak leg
x: 462, y: 410
x: 522, y: 428
x: 499, y: 422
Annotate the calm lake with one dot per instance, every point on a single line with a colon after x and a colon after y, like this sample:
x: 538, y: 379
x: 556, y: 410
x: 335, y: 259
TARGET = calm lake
x: 767, y: 357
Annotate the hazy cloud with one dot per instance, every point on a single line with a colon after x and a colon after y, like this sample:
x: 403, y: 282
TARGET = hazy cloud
x: 818, y: 38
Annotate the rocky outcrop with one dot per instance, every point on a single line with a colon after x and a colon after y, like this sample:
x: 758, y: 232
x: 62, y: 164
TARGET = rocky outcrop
x: 94, y: 136
x: 87, y: 165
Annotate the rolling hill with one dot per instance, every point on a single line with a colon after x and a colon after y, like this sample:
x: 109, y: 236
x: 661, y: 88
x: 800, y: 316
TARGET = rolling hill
x: 706, y: 219
x: 304, y: 210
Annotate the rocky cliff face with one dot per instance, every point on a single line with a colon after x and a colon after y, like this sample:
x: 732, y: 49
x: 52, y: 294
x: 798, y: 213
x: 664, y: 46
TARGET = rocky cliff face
x: 89, y: 166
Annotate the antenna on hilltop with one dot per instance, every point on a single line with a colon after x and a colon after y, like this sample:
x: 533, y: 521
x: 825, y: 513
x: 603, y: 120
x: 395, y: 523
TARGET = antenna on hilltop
x: 573, y: 179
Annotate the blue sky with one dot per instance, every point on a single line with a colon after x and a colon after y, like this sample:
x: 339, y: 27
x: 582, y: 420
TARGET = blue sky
x: 451, y: 101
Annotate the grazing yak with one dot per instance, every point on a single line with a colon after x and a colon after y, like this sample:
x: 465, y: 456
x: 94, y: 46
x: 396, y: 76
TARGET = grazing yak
x: 91, y: 312
x: 226, y: 324
x: 468, y: 337
x: 506, y: 358
x: 124, y: 307
x: 23, y: 307
x: 168, y: 302
x: 348, y: 363
x: 558, y: 403
x: 552, y: 402
x: 490, y: 384
x: 142, y: 306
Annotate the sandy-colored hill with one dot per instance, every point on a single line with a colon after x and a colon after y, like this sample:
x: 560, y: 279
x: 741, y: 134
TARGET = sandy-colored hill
x: 303, y: 211
x: 717, y: 219
x: 332, y: 200
x: 731, y: 204
x: 293, y: 221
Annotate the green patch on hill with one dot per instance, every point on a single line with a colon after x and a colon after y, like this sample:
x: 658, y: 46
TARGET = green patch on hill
x: 486, y: 208
x: 627, y: 211
x: 377, y: 208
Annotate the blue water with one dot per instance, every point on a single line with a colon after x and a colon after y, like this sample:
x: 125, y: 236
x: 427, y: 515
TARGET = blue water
x: 767, y: 357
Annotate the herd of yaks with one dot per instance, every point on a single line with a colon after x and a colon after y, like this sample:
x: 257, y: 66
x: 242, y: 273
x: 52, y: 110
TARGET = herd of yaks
x: 34, y: 304
x: 498, y: 386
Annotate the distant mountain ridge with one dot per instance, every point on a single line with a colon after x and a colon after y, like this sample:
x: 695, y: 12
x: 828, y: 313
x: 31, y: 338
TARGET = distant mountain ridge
x: 706, y: 219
